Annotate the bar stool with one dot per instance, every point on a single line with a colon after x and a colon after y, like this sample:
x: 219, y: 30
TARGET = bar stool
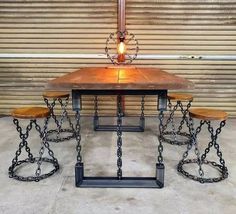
x: 176, y: 100
x: 51, y: 98
x: 206, y: 116
x: 32, y: 114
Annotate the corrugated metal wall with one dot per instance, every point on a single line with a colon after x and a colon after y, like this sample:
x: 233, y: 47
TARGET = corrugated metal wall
x: 163, y: 27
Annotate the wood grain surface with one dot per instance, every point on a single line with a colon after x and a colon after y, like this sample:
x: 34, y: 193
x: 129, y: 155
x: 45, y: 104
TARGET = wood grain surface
x: 120, y: 78
x: 55, y: 94
x: 208, y: 114
x: 30, y: 112
x: 180, y: 97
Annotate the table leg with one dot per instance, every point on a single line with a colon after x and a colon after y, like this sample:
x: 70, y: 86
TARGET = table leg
x: 119, y: 138
x: 162, y: 105
x: 79, y: 166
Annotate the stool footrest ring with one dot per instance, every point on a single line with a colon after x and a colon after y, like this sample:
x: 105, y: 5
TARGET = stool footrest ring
x: 222, y: 170
x: 60, y: 139
x: 175, y: 141
x: 14, y: 168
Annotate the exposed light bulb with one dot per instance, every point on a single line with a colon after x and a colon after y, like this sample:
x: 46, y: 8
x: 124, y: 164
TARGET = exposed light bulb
x: 121, y: 48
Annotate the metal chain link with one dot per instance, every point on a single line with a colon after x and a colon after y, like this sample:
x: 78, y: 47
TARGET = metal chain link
x: 23, y: 143
x: 41, y: 151
x: 190, y: 125
x: 201, y: 160
x: 31, y: 159
x: 216, y: 145
x: 160, y: 146
x: 96, y: 106
x: 184, y: 113
x: 172, y: 111
x: 142, y: 106
x: 63, y: 104
x: 172, y: 108
x: 78, y: 136
x: 142, y: 117
x: 119, y: 138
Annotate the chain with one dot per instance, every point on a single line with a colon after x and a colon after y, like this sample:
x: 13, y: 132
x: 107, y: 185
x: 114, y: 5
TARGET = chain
x: 190, y: 125
x: 59, y: 122
x: 210, y: 144
x: 171, y: 114
x: 119, y: 138
x: 78, y: 136
x: 44, y: 144
x: 142, y: 117
x: 184, y: 112
x: 172, y: 121
x: 31, y: 159
x: 96, y: 106
x: 196, y: 150
x: 142, y: 106
x: 23, y: 143
x: 27, y: 149
x: 172, y: 108
x: 41, y: 151
x: 216, y: 145
x: 201, y: 160
x: 51, y: 108
x: 160, y: 146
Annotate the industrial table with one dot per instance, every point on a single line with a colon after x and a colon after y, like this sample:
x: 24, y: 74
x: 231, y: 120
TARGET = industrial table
x: 119, y: 81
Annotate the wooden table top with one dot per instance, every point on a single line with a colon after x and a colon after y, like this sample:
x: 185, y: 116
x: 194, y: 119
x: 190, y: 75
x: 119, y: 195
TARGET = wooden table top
x: 119, y: 78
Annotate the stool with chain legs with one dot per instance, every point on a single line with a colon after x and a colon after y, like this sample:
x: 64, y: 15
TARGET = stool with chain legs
x: 52, y: 98
x: 32, y: 114
x: 178, y: 99
x: 206, y: 116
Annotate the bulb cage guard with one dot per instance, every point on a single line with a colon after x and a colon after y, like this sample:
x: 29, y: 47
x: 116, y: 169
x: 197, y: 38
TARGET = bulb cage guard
x: 111, y: 47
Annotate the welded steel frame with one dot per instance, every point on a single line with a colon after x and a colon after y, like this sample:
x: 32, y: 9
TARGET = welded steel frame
x: 125, y: 128
x: 83, y: 181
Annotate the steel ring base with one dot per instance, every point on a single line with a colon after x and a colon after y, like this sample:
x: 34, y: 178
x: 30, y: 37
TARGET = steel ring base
x: 176, y: 142
x: 221, y: 169
x: 14, y: 168
x: 60, y: 139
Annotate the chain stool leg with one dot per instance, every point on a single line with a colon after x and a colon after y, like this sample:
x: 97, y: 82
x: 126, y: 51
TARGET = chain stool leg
x: 16, y: 162
x: 201, y: 159
x: 63, y: 104
x: 177, y: 132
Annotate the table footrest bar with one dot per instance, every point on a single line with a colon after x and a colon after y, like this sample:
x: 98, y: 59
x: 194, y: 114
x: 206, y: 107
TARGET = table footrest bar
x: 123, y: 128
x: 114, y: 182
x: 125, y: 182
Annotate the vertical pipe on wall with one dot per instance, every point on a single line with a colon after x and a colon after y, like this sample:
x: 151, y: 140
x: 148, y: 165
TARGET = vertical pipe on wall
x: 121, y: 15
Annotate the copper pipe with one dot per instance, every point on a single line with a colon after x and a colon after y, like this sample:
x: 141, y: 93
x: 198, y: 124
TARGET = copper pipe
x: 121, y: 15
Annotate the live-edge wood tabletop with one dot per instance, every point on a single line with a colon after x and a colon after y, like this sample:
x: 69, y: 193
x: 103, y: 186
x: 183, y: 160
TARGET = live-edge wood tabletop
x: 120, y: 78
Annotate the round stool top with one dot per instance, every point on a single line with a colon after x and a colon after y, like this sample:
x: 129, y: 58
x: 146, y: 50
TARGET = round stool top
x: 180, y: 97
x: 55, y: 94
x: 208, y: 114
x: 30, y: 112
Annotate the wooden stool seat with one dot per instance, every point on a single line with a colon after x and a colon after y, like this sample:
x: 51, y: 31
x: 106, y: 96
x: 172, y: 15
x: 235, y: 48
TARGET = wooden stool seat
x: 30, y: 112
x: 55, y: 94
x: 180, y: 97
x: 208, y: 114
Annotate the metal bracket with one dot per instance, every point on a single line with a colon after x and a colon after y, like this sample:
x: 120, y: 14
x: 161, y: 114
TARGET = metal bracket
x: 76, y: 101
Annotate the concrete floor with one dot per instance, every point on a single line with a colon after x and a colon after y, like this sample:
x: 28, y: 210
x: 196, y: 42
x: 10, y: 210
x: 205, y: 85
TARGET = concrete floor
x: 58, y: 194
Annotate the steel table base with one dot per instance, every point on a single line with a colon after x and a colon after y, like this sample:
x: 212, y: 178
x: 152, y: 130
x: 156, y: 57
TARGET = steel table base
x: 120, y: 181
x: 114, y: 182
